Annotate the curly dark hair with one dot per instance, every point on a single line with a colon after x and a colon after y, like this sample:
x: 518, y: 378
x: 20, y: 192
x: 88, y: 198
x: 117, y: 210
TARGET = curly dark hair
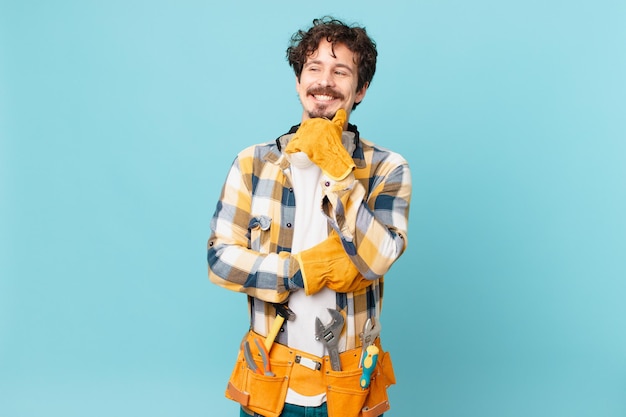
x: 355, y: 38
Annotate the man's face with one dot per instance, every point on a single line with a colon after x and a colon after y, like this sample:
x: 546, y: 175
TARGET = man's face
x: 328, y: 82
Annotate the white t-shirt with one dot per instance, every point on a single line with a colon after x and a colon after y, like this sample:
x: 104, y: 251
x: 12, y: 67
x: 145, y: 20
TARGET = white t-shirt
x: 310, y: 228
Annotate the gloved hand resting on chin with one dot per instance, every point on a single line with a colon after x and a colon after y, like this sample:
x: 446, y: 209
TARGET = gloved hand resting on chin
x: 328, y: 264
x: 320, y: 140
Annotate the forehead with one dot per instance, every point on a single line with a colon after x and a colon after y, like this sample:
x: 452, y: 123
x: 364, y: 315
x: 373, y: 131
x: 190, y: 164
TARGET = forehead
x: 337, y: 53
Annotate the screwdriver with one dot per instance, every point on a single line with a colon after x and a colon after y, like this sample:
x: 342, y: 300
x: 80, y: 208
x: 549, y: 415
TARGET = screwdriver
x: 369, y: 363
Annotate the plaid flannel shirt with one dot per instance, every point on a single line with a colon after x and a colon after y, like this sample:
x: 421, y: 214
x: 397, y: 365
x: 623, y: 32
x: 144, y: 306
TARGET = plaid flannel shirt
x: 249, y: 249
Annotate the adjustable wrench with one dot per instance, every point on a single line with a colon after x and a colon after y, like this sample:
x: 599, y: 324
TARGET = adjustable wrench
x: 329, y: 336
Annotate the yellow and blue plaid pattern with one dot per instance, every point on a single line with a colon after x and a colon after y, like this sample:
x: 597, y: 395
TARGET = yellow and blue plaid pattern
x: 252, y: 227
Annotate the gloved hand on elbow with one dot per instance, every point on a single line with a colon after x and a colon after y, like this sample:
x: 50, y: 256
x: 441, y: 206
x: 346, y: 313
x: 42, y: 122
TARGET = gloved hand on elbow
x: 320, y: 140
x: 328, y: 264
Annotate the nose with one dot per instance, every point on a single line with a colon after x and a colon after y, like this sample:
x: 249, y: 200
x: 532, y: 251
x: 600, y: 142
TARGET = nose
x: 326, y: 79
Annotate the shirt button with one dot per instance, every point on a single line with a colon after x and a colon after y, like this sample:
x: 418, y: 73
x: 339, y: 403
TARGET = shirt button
x: 327, y: 183
x: 289, y: 225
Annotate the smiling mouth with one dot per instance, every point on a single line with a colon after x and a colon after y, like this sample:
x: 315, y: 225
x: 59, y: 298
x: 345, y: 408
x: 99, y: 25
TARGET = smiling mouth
x: 324, y: 97
x: 325, y: 94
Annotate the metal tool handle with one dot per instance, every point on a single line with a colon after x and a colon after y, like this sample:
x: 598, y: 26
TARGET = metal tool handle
x: 247, y: 353
x: 335, y: 363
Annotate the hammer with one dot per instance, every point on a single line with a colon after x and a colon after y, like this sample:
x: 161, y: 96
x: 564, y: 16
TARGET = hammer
x: 282, y: 312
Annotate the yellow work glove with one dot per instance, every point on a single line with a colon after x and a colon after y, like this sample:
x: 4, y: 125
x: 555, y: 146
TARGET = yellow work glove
x: 320, y: 140
x: 328, y: 264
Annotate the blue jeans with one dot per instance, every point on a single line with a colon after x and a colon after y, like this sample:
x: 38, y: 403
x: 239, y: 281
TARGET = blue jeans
x: 291, y: 410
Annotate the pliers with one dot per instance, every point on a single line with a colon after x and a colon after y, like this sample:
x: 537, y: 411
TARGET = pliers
x: 247, y: 352
x: 371, y: 330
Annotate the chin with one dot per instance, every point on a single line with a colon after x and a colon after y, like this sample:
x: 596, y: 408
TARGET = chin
x: 329, y: 114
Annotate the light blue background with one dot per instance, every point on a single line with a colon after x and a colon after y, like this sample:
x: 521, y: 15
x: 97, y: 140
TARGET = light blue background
x: 119, y: 120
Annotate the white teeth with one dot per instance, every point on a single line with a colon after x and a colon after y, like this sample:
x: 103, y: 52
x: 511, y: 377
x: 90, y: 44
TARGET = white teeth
x: 324, y: 98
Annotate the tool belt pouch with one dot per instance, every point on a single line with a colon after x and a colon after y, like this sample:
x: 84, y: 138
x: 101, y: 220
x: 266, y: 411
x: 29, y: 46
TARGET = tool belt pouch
x: 344, y: 395
x: 266, y: 395
x: 262, y: 394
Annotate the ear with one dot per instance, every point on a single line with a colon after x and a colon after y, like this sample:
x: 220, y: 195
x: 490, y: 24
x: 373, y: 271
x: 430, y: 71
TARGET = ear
x: 360, y: 95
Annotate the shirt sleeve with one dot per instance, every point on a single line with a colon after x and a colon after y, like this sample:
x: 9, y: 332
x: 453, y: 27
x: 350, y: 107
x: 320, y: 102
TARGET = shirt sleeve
x: 373, y: 225
x: 231, y: 262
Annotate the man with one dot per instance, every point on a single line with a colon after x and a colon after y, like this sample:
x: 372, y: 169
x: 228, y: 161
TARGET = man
x: 308, y: 225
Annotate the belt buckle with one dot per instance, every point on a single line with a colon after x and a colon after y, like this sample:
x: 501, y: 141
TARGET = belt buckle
x: 309, y: 363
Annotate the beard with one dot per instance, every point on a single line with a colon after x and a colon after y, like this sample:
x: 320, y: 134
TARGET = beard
x: 322, y: 112
x: 321, y: 109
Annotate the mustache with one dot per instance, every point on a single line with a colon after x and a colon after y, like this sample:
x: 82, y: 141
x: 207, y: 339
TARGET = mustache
x: 325, y: 91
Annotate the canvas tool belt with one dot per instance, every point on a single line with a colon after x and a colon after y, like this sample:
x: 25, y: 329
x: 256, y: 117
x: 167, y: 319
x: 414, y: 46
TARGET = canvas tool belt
x: 310, y: 375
